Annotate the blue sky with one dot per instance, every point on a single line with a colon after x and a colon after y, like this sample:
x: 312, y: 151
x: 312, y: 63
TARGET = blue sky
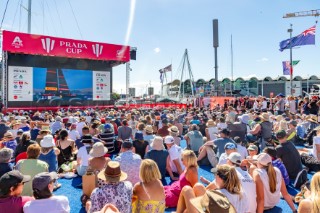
x: 162, y: 29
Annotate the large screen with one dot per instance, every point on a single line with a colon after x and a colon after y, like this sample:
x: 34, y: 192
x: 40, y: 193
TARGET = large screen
x: 41, y: 84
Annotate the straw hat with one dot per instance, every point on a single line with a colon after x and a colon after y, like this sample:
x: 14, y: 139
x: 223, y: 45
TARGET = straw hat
x: 313, y: 118
x: 210, y: 123
x: 157, y: 143
x: 44, y: 128
x: 98, y: 150
x: 264, y: 116
x: 149, y: 129
x: 174, y: 130
x: 112, y: 173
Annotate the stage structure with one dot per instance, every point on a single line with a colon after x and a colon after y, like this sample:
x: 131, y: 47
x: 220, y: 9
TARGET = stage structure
x: 42, y: 71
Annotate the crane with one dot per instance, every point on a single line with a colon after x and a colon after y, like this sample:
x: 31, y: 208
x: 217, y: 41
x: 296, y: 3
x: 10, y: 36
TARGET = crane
x: 315, y: 13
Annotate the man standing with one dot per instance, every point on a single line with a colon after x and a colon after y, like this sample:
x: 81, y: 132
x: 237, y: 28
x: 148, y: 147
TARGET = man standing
x: 129, y: 162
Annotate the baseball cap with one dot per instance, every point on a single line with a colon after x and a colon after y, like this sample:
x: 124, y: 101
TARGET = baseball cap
x: 293, y: 122
x: 138, y: 135
x: 281, y: 134
x: 225, y: 131
x: 230, y: 146
x: 252, y: 147
x: 10, y: 179
x: 42, y: 180
x: 168, y: 140
x: 165, y: 121
x: 235, y: 158
x: 107, y: 126
x: 264, y: 159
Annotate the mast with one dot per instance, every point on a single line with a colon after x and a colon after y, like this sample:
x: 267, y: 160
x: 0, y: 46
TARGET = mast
x: 29, y: 16
x: 231, y: 65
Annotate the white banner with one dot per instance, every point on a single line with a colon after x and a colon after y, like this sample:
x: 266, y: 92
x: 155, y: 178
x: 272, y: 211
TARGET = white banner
x: 20, y: 83
x: 296, y: 88
x: 101, y: 85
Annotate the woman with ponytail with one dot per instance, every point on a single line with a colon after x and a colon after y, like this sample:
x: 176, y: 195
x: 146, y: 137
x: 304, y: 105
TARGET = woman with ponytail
x: 226, y: 184
x: 312, y: 202
x: 269, y: 184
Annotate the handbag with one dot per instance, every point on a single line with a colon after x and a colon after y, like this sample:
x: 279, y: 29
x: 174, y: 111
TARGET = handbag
x: 89, y: 183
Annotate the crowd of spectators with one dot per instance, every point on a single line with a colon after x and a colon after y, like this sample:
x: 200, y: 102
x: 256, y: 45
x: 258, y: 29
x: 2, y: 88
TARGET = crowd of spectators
x: 255, y: 147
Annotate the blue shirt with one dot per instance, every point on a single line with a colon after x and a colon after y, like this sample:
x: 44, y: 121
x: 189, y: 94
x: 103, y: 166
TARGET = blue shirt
x: 11, y: 144
x: 160, y: 157
x: 278, y: 163
x: 220, y: 143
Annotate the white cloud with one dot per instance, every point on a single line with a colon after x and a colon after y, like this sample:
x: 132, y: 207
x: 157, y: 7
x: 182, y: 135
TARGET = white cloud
x: 263, y: 59
x: 156, y: 50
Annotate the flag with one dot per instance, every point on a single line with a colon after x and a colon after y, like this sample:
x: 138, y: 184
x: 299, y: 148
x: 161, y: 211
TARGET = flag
x: 287, y: 68
x: 307, y: 37
x: 161, y: 77
x: 166, y: 69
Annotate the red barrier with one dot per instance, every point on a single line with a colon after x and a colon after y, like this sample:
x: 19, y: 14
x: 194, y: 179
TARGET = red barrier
x: 131, y: 106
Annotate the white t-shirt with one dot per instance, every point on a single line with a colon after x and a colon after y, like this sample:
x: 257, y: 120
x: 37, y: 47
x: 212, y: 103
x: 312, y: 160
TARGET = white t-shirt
x: 54, y: 204
x: 175, y: 153
x: 74, y: 135
x: 239, y: 202
x: 84, y: 155
x: 316, y: 141
x: 249, y: 187
x: 264, y: 104
x: 270, y: 199
x: 222, y: 125
x: 213, y: 131
x: 223, y: 159
x: 242, y: 151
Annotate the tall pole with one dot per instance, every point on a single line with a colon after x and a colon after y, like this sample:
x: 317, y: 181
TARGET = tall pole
x: 127, y: 80
x: 216, y: 45
x: 29, y: 16
x: 291, y: 67
x: 231, y: 63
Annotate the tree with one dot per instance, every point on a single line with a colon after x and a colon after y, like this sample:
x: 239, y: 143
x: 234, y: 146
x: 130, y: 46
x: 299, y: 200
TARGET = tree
x: 115, y: 96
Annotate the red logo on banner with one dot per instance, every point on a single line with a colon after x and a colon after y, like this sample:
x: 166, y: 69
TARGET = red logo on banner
x: 15, y: 97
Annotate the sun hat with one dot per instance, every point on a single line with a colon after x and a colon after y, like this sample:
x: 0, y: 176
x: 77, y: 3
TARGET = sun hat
x: 264, y: 116
x: 98, y: 150
x: 264, y: 159
x: 149, y: 129
x: 235, y: 158
x: 112, y: 173
x: 20, y: 131
x: 168, y: 140
x: 253, y: 147
x: 313, y: 118
x: 11, y: 179
x: 229, y: 146
x: 173, y: 129
x: 138, y: 135
x: 44, y: 128
x: 8, y: 135
x: 244, y: 118
x: 210, y: 123
x: 213, y: 201
x: 157, y: 143
x: 5, y: 155
x: 47, y: 141
x: 42, y: 180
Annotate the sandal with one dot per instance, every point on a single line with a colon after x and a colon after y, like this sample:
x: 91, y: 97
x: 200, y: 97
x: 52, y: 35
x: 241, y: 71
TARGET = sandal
x: 56, y: 186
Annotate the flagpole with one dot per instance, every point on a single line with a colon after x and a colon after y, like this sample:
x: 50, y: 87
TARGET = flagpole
x: 291, y: 67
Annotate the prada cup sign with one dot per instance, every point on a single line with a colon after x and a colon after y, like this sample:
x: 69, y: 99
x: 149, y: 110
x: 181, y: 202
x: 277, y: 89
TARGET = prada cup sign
x: 62, y: 47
